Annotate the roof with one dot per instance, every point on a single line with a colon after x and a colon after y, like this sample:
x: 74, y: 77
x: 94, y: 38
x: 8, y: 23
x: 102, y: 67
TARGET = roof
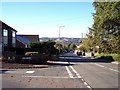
x: 23, y: 40
x: 31, y: 38
x: 5, y: 26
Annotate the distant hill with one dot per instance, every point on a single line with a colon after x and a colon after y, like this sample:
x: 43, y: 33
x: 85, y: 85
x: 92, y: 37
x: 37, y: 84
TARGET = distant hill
x: 64, y: 40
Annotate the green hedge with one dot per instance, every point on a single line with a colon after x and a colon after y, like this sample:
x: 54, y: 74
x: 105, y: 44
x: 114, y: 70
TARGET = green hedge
x: 44, y: 44
x: 115, y: 57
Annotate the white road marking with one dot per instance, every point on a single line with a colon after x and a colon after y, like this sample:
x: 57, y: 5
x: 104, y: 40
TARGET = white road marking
x: 89, y: 87
x: 78, y: 75
x: 44, y: 66
x: 10, y: 72
x: 30, y: 72
x: 99, y: 65
x: 113, y: 70
x: 45, y: 77
x: 73, y: 70
x: 16, y: 72
x: 85, y: 83
x: 82, y: 80
x: 69, y: 73
x: 106, y: 67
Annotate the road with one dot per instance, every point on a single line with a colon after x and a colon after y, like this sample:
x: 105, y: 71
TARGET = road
x: 69, y: 72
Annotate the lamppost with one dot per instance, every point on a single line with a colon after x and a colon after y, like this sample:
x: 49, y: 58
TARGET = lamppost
x: 59, y: 36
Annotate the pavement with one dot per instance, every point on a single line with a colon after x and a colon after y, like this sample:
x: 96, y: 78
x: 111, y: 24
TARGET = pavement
x: 115, y: 62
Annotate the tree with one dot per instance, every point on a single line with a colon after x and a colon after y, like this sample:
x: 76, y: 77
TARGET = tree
x: 71, y: 46
x: 105, y: 31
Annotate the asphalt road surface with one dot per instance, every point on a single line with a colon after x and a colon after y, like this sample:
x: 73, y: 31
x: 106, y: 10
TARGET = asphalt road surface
x: 70, y: 71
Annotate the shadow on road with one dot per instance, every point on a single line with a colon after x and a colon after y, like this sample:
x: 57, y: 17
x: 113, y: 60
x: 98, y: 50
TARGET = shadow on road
x: 82, y: 59
x: 69, y: 60
x: 64, y: 60
x: 3, y: 71
x: 59, y: 64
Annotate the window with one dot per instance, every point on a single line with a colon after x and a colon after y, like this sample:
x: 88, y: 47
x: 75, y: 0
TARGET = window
x: 13, y: 38
x: 0, y: 41
x: 0, y: 35
x: 5, y: 32
x: 0, y: 47
x: 5, y: 37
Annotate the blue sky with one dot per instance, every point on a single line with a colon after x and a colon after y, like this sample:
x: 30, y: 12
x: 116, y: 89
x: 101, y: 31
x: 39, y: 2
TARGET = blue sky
x: 44, y: 18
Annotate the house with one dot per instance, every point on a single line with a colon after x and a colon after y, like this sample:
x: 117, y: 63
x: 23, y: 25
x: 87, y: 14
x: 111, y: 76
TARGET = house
x: 10, y: 43
x: 7, y: 37
x: 22, y: 41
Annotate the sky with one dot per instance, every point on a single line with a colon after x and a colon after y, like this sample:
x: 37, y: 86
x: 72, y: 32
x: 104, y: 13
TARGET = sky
x: 45, y: 18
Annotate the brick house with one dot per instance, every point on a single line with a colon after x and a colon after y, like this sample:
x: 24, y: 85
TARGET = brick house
x: 7, y: 37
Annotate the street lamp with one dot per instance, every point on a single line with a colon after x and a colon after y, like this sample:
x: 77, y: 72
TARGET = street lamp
x: 59, y: 36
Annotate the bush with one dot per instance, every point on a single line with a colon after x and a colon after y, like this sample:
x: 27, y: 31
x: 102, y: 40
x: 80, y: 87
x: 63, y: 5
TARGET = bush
x: 9, y: 57
x: 32, y: 59
x: 38, y: 51
x: 115, y: 57
x: 22, y: 51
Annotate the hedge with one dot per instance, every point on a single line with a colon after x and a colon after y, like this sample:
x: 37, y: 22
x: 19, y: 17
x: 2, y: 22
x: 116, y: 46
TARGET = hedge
x: 22, y: 51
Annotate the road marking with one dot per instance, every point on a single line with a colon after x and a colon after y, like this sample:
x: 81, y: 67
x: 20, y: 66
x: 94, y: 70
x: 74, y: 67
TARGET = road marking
x: 106, y: 67
x: 45, y: 77
x: 13, y: 72
x: 30, y: 72
x: 85, y: 83
x: 41, y: 66
x: 69, y: 73
x: 73, y: 70
x: 82, y: 80
x: 113, y: 70
x: 99, y: 65
x: 78, y: 75
x: 89, y: 87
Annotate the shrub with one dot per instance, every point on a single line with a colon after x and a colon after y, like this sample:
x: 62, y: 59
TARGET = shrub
x: 115, y: 57
x: 9, y: 57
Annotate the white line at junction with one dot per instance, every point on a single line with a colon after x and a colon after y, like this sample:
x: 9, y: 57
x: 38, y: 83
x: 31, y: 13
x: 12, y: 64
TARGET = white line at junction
x: 78, y: 75
x: 45, y: 77
x: 30, y: 72
x: 69, y: 72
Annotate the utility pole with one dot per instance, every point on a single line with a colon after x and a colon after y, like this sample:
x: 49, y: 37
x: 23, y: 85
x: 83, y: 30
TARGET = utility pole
x: 82, y: 35
x: 59, y: 36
